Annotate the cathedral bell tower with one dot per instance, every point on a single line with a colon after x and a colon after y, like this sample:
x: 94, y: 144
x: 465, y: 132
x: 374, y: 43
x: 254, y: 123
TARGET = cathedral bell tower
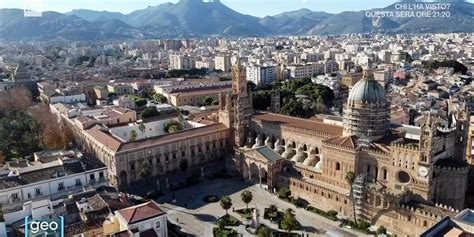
x: 236, y: 108
x: 427, y: 140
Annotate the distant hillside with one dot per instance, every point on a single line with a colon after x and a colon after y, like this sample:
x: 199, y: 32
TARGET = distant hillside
x: 294, y: 22
x: 91, y: 15
x: 195, y: 18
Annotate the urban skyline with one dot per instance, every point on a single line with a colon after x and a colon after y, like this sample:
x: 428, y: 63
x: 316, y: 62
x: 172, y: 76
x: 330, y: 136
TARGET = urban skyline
x: 195, y: 119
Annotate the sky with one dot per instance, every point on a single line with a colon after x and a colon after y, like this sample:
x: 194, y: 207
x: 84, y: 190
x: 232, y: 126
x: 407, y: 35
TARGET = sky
x: 258, y: 8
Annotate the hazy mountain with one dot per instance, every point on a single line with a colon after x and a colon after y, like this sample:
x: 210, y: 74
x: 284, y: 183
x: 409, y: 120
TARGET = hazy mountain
x: 14, y: 26
x: 91, y: 15
x: 294, y: 22
x: 196, y: 18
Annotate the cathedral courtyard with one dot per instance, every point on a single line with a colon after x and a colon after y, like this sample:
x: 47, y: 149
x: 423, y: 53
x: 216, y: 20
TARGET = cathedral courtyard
x: 197, y: 218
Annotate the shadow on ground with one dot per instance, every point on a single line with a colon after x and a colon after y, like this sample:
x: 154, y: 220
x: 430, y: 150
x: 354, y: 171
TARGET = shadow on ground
x: 193, y: 197
x: 206, y: 218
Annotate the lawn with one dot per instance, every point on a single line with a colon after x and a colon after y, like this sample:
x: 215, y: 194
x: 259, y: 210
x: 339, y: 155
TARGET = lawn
x: 226, y: 232
x: 229, y: 220
x: 332, y: 215
x: 281, y: 227
x: 245, y: 213
x: 272, y: 215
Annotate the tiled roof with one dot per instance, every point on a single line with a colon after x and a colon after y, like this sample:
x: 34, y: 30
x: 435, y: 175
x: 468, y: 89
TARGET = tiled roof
x: 141, y: 212
x: 104, y: 138
x: 348, y: 141
x: 173, y: 136
x: 300, y: 123
x: 115, y: 145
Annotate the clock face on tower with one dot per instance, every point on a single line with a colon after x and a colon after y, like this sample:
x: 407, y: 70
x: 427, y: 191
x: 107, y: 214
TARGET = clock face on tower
x: 423, y: 171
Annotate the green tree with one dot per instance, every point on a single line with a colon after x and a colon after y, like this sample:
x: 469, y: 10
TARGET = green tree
x: 208, y: 100
x: 261, y: 100
x: 284, y: 193
x: 140, y: 102
x: 381, y: 230
x: 220, y: 224
x: 159, y: 98
x: 350, y: 179
x: 173, y: 126
x: 264, y: 231
x: 363, y: 225
x: 150, y: 112
x: 272, y: 208
x: 289, y: 222
x: 293, y: 108
x: 226, y: 203
x: 132, y: 136
x: 247, y: 197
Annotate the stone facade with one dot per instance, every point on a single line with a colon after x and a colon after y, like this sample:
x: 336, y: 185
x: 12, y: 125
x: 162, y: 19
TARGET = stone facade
x: 411, y: 177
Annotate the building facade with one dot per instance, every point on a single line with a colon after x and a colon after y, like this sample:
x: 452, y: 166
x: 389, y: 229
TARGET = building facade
x: 261, y: 75
x: 406, y: 179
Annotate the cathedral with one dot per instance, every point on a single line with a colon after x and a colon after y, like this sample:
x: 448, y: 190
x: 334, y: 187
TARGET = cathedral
x: 406, y: 177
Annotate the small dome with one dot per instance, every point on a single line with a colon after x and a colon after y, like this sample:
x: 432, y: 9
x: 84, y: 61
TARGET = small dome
x: 367, y: 91
x: 319, y: 166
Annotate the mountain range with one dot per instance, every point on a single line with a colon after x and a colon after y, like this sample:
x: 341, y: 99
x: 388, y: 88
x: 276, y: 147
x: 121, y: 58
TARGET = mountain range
x: 196, y: 18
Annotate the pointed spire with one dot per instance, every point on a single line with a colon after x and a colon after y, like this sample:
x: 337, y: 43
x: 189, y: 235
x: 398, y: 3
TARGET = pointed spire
x: 429, y: 119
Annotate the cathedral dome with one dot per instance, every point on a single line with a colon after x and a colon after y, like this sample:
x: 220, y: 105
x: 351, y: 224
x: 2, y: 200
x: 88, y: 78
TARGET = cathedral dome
x: 367, y: 91
x: 366, y: 114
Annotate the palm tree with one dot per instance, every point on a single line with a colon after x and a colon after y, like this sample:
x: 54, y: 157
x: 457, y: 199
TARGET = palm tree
x: 142, y: 127
x: 226, y: 203
x: 350, y: 179
x: 247, y: 197
x: 264, y: 231
x: 289, y: 222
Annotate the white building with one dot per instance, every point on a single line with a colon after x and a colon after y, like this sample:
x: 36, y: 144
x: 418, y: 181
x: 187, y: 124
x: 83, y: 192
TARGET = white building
x: 222, y: 63
x: 62, y: 96
x: 261, y: 75
x: 143, y: 218
x: 205, y: 63
x: 125, y: 102
x: 179, y: 62
x: 166, y: 89
x: 37, y: 210
x: 305, y: 70
x: 52, y: 175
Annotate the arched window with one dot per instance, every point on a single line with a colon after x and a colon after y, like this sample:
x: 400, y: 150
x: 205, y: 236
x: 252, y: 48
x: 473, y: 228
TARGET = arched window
x: 338, y: 166
x: 368, y: 169
x: 385, y: 174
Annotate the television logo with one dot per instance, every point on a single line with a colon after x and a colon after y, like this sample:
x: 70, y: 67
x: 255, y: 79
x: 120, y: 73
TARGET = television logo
x: 44, y: 227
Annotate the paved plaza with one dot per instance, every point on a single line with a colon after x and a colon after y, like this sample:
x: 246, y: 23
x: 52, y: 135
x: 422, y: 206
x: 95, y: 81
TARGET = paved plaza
x: 197, y: 217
